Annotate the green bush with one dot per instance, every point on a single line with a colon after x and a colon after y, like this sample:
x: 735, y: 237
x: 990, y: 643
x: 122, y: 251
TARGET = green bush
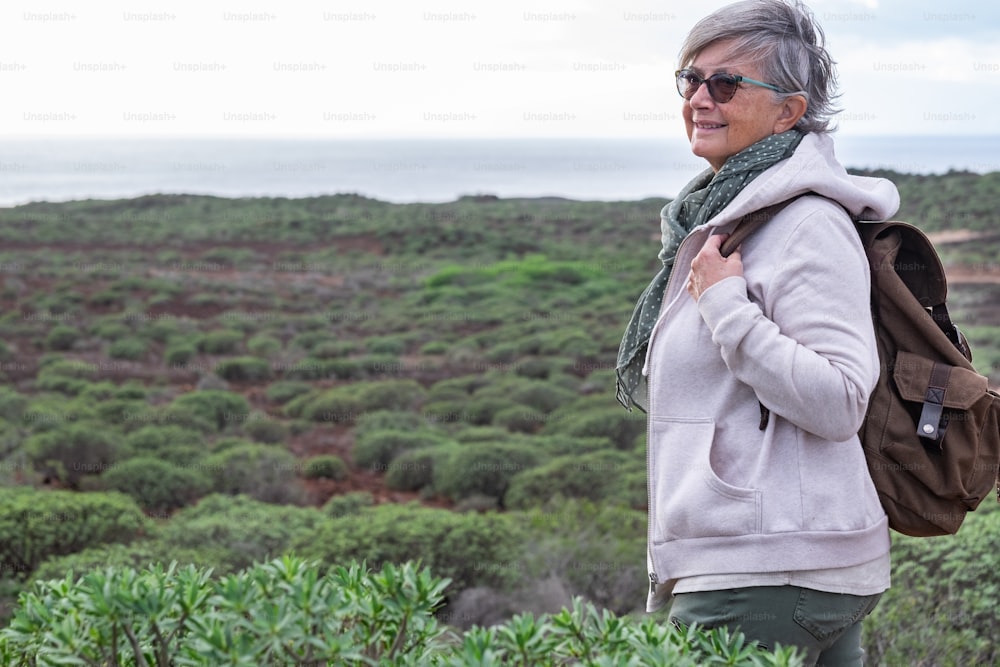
x: 263, y: 345
x: 133, y: 349
x: 262, y: 472
x: 217, y: 407
x: 264, y: 428
x: 944, y: 604
x: 220, y: 341
x: 233, y: 532
x: 61, y: 337
x: 385, y: 618
x: 67, y: 376
x: 399, y: 395
x: 521, y: 419
x: 179, y: 352
x: 325, y: 466
x: 285, y: 390
x: 484, y: 469
x: 388, y: 420
x: 459, y: 546
x: 389, y: 345
x: 596, y: 476
x: 375, y: 449
x: 165, y: 441
x: 348, y: 503
x: 596, y: 549
x: 244, y: 369
x: 413, y: 470
x: 35, y: 525
x: 73, y: 450
x: 338, y: 405
x: 584, y: 419
x: 156, y: 485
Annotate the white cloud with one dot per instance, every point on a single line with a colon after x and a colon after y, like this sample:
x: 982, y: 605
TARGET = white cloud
x: 448, y: 68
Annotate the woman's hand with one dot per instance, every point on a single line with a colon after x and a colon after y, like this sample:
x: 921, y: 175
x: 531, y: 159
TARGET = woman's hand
x: 709, y: 266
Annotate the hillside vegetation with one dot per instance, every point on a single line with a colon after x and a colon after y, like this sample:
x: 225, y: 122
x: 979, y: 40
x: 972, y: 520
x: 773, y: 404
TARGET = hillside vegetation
x: 219, y: 383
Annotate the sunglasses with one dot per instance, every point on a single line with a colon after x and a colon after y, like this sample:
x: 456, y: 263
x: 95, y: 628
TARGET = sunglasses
x: 721, y: 87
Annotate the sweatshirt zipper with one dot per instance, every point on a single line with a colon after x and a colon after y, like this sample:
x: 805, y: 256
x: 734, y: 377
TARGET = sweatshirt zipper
x: 653, y: 577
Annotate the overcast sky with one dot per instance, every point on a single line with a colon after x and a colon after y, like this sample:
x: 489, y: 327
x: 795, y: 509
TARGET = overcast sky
x: 449, y: 68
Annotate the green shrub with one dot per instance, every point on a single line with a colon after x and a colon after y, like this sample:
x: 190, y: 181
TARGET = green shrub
x: 339, y: 404
x: 233, y: 532
x: 67, y: 376
x: 460, y: 546
x: 521, y: 419
x: 217, y: 407
x: 285, y: 390
x: 398, y: 395
x: 264, y: 428
x: 244, y: 369
x: 195, y: 614
x: 413, y: 470
x: 379, y: 365
x: 435, y: 347
x: 35, y: 525
x: 179, y: 353
x: 484, y: 469
x: 348, y: 503
x: 12, y: 404
x: 387, y: 420
x: 171, y: 443
x: 156, y: 485
x: 61, y: 337
x: 597, y: 548
x: 325, y: 466
x: 220, y: 341
x: 585, y: 420
x: 944, y: 604
x: 375, y: 449
x: 306, y: 369
x: 387, y: 345
x: 597, y: 476
x: 133, y: 349
x: 111, y: 329
x: 310, y: 340
x: 262, y: 472
x: 72, y: 450
x: 263, y: 345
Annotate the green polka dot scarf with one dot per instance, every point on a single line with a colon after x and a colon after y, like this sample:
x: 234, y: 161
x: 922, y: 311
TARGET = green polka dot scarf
x: 700, y: 201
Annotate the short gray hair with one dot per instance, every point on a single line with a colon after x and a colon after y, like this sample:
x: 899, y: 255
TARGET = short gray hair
x: 785, y: 39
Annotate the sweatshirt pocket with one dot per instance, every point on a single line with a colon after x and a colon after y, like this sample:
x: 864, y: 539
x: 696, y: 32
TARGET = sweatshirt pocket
x: 688, y: 499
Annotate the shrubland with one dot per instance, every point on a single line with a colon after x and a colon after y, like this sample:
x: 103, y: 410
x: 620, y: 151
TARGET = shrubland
x: 221, y: 383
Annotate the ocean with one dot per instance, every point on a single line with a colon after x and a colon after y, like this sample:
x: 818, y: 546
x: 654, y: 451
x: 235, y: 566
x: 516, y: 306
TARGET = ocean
x: 413, y: 170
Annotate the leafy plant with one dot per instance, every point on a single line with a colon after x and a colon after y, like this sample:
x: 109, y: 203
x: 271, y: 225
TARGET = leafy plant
x: 285, y: 612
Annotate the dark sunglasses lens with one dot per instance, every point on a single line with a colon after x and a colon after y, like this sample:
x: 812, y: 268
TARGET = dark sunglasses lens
x: 722, y: 87
x: 687, y: 84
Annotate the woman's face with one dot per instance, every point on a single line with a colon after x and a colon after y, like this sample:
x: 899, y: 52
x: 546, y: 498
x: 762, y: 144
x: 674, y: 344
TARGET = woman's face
x: 718, y: 131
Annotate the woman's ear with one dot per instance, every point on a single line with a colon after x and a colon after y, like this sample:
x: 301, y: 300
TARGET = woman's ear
x: 792, y: 109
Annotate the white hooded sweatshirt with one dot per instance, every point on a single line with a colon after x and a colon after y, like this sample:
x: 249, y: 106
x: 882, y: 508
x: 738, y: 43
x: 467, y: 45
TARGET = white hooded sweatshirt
x: 795, y: 335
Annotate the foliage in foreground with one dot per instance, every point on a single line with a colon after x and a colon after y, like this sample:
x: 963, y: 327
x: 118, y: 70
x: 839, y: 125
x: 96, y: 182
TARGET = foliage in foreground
x: 284, y: 612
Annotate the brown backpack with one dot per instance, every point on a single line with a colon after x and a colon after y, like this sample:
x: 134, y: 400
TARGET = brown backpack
x: 932, y: 432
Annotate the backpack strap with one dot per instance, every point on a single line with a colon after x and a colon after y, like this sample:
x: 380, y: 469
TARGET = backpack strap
x: 746, y: 226
x: 750, y: 222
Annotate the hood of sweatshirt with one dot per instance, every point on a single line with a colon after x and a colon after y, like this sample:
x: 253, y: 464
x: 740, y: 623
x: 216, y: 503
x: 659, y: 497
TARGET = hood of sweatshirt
x: 814, y: 168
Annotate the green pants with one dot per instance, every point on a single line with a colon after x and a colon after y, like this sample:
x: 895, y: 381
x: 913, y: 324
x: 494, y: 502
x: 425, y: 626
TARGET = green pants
x: 827, y: 626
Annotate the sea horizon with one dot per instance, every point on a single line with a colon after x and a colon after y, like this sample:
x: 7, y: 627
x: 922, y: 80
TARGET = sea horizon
x: 430, y: 170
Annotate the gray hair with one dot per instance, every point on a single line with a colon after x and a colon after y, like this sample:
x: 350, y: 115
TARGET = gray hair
x: 783, y: 37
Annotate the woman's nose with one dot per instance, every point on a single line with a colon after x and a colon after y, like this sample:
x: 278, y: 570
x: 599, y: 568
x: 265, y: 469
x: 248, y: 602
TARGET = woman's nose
x: 701, y: 97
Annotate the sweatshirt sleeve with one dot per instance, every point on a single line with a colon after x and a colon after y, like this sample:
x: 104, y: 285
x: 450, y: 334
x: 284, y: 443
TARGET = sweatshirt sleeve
x: 812, y: 360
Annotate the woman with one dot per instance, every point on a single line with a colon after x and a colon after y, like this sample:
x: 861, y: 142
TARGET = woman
x: 769, y: 525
